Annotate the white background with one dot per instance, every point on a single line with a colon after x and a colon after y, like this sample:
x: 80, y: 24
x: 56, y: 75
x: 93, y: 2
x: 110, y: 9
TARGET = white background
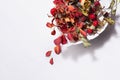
x: 24, y: 39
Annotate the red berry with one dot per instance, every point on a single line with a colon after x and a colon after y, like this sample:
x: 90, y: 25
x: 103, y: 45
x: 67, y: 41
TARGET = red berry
x: 53, y: 11
x: 48, y: 53
x: 95, y: 23
x: 92, y: 16
x: 89, y: 31
x: 51, y: 61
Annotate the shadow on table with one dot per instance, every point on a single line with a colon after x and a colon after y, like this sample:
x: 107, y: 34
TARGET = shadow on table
x: 76, y: 51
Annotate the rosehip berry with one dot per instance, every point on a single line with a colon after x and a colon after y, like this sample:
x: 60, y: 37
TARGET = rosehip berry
x: 95, y: 23
x: 53, y: 11
x: 92, y: 16
x: 89, y: 31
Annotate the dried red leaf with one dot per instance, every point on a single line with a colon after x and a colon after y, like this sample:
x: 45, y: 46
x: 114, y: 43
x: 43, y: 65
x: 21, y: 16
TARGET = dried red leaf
x: 57, y: 49
x: 51, y: 61
x: 64, y: 40
x: 53, y: 32
x: 83, y: 33
x: 48, y: 53
x: 57, y: 41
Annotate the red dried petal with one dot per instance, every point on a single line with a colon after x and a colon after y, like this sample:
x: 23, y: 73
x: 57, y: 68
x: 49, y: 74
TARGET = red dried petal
x: 49, y: 25
x: 63, y: 28
x: 53, y: 11
x: 95, y: 23
x: 51, y: 61
x: 70, y: 37
x: 48, y: 53
x: 71, y: 29
x: 89, y: 31
x: 53, y: 32
x: 78, y: 14
x: 71, y: 8
x: 80, y: 0
x: 64, y: 40
x: 83, y: 33
x: 83, y: 18
x: 58, y: 2
x: 57, y: 41
x: 57, y: 49
x: 80, y: 25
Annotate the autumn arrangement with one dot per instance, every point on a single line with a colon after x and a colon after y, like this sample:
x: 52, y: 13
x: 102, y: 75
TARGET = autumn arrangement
x: 78, y: 19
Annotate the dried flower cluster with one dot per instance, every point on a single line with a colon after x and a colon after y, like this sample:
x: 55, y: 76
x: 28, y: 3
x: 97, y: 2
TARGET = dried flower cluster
x: 76, y: 19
